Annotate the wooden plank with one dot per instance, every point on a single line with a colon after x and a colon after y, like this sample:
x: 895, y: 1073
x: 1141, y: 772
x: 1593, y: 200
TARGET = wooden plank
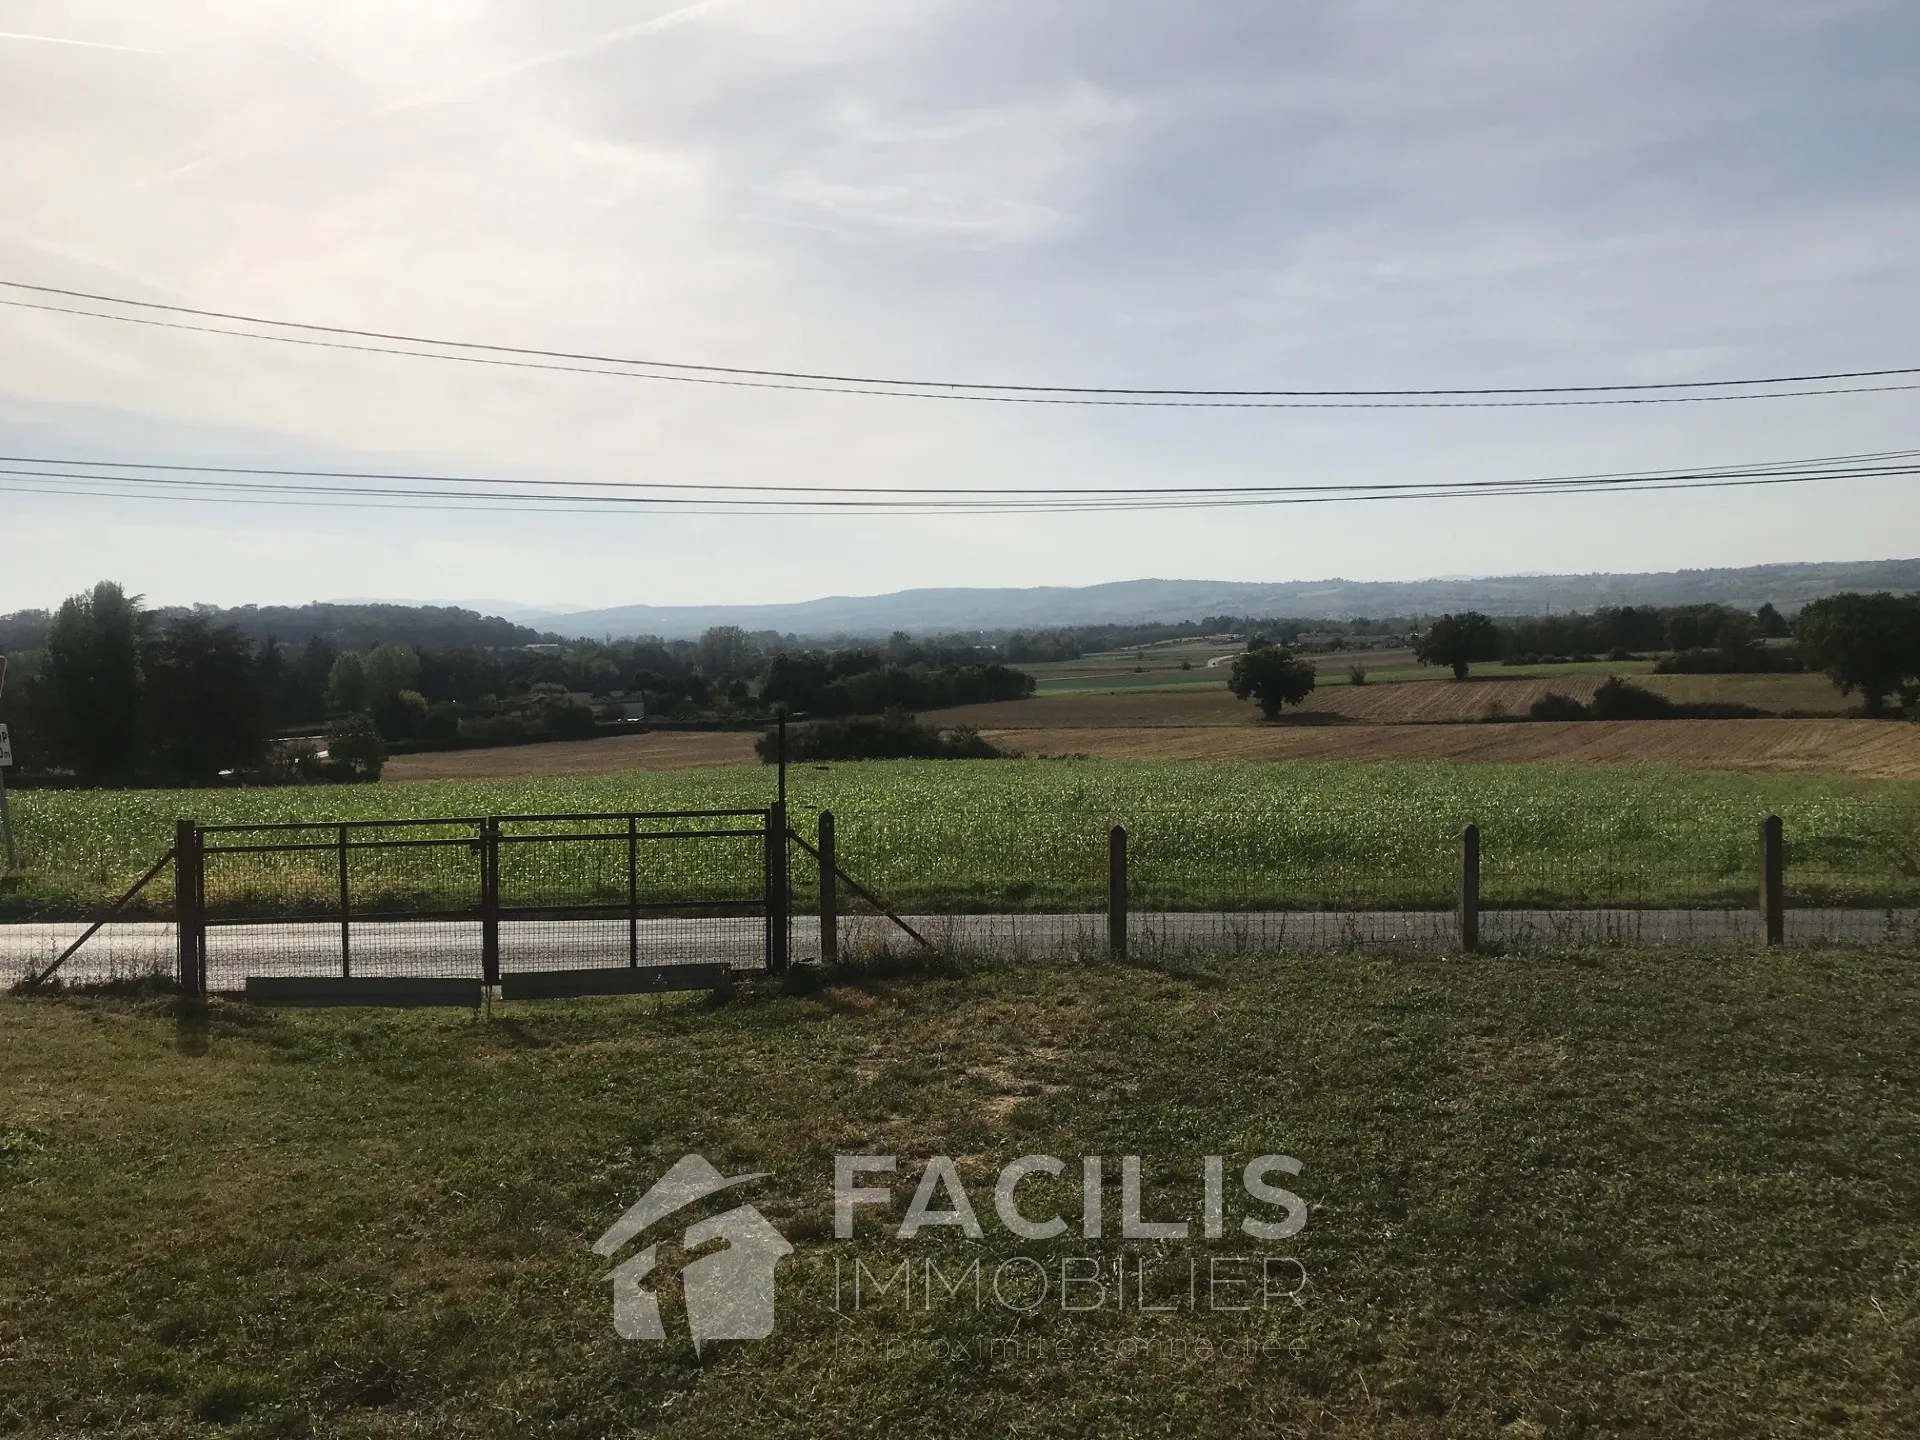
x: 393, y: 990
x: 611, y: 980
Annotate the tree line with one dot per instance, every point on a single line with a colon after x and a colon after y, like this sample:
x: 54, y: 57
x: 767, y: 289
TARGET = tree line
x: 113, y: 692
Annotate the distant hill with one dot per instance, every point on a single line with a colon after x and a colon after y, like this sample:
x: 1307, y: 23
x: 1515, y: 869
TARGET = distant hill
x: 347, y: 626
x: 355, y: 627
x: 1132, y: 601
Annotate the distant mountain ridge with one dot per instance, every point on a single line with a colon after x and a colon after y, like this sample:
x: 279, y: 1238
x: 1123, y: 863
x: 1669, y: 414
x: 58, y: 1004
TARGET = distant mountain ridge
x: 1138, y: 601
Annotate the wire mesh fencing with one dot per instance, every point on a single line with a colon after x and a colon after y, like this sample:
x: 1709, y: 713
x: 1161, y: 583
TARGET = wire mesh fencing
x: 476, y: 897
x: 1035, y: 881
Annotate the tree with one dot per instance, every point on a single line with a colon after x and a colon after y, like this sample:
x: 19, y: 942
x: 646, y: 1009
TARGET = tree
x: 204, y: 708
x: 355, y: 750
x: 93, y: 673
x: 347, y: 683
x: 1458, y: 641
x: 1772, y: 624
x: 1869, y: 643
x: 1272, y: 678
x: 726, y: 651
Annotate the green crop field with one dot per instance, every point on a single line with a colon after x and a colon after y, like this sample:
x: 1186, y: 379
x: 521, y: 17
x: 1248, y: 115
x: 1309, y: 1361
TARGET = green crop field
x: 1031, y: 834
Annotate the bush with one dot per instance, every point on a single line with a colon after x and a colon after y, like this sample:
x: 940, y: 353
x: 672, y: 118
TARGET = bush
x: 355, y: 753
x: 1558, y: 707
x: 895, y: 735
x: 1753, y: 660
x: 1356, y: 674
x: 1616, y: 699
x: 568, y: 715
x: 483, y: 730
x: 441, y: 724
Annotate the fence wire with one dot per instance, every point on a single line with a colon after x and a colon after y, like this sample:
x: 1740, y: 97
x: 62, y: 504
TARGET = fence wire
x: 1020, y: 876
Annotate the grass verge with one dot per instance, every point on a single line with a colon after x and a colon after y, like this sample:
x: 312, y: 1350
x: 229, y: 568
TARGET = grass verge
x: 1557, y: 1195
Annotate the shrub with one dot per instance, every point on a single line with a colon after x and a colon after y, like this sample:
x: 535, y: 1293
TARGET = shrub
x: 1558, y: 707
x: 565, y: 714
x: 482, y: 730
x: 355, y: 753
x: 1616, y: 699
x: 1753, y: 660
x: 1356, y: 674
x: 441, y: 724
x: 895, y: 735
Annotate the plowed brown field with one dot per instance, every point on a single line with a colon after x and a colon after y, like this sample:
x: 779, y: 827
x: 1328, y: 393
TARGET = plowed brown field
x: 682, y: 750
x: 1848, y: 749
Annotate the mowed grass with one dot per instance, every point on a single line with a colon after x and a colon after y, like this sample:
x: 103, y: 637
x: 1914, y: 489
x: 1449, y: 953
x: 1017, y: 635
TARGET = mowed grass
x: 1566, y: 1195
x: 1032, y: 834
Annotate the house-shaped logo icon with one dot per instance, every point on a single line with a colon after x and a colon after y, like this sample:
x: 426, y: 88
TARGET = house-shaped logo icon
x: 729, y: 1292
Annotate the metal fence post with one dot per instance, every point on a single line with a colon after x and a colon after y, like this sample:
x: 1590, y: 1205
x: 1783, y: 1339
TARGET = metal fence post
x: 1470, y: 888
x: 1773, y: 880
x: 829, y: 894
x: 189, y: 907
x: 490, y: 901
x: 777, y: 894
x: 1117, y: 892
x: 346, y: 912
x: 633, y: 893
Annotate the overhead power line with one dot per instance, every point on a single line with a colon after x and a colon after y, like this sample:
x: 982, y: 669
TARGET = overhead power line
x: 381, y: 490
x: 1835, y: 382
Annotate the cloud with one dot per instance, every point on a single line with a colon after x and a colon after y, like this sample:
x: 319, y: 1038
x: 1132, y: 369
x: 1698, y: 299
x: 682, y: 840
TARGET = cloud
x: 1237, y: 192
x: 1007, y: 175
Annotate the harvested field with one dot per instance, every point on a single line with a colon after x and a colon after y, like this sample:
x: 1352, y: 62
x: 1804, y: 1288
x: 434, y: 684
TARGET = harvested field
x: 661, y: 750
x: 1842, y: 749
x: 1399, y: 703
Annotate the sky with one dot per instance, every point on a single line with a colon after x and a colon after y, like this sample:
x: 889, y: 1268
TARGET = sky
x: 1221, y: 194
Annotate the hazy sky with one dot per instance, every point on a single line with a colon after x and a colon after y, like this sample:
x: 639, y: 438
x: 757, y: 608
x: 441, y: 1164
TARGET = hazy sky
x: 1245, y: 193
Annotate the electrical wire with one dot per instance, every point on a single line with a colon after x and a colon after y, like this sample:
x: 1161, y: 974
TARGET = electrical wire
x: 804, y: 501
x: 1746, y: 467
x: 531, y: 358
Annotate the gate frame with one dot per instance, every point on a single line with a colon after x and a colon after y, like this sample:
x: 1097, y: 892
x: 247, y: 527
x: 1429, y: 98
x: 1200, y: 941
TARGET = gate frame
x: 190, y: 851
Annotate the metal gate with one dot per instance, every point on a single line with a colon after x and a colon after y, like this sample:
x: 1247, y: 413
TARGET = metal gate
x: 671, y: 897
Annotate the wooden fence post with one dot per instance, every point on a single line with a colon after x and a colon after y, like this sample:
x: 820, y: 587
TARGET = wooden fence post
x: 189, y: 915
x: 829, y: 894
x: 1117, y: 892
x: 778, y: 905
x: 1470, y: 888
x: 1773, y: 880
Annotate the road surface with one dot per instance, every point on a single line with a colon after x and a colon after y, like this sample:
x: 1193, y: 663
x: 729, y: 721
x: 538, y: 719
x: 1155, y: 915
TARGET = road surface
x: 452, y: 948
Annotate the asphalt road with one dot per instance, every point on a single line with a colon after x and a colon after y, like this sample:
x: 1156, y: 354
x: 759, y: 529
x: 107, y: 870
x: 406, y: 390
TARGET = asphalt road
x: 452, y: 948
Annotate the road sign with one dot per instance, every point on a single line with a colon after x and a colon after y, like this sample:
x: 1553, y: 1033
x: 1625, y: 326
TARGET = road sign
x: 6, y: 747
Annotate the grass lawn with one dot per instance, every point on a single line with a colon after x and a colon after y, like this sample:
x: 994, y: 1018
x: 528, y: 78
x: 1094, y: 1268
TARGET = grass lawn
x: 1553, y: 1195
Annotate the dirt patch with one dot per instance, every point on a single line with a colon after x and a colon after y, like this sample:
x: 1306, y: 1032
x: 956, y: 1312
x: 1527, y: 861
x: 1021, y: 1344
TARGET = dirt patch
x: 1848, y: 749
x: 660, y: 750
